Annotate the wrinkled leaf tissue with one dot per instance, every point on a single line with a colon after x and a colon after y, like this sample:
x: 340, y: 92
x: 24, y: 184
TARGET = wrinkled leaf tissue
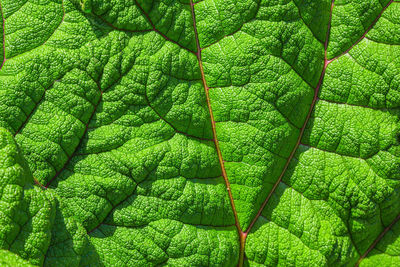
x: 200, y: 133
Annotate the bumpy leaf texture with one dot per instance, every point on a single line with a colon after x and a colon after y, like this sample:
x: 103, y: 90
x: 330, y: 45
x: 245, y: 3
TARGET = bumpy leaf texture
x: 200, y: 133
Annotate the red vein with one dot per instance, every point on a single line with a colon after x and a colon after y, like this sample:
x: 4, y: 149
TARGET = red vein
x: 4, y: 36
x: 315, y: 98
x: 35, y: 108
x: 242, y: 235
x: 376, y: 241
x: 364, y: 34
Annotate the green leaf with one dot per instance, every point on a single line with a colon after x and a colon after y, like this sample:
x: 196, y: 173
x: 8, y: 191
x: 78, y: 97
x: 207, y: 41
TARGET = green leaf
x: 200, y: 133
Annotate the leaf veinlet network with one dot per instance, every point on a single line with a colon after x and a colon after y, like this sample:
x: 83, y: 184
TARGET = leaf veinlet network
x: 200, y: 133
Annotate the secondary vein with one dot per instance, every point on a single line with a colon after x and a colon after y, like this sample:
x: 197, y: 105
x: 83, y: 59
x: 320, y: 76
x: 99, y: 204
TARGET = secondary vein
x: 376, y: 241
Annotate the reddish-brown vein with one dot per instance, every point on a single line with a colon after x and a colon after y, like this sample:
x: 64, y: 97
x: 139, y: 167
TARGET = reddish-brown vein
x: 80, y: 142
x: 242, y: 236
x: 4, y: 36
x: 376, y: 241
x: 315, y: 98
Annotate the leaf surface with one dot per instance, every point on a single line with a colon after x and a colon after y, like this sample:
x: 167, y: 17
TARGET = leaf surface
x: 204, y: 133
